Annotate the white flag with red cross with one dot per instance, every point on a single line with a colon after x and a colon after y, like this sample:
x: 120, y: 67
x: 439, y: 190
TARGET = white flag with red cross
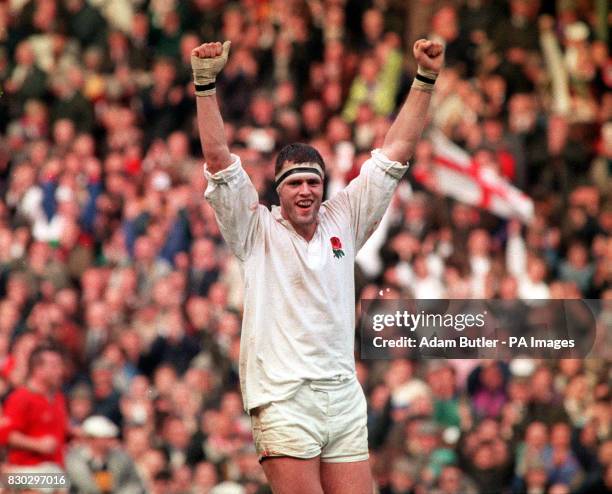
x: 454, y: 173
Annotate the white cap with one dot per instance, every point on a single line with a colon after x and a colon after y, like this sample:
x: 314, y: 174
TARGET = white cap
x: 228, y: 487
x: 522, y: 367
x: 261, y: 140
x: 64, y: 193
x: 577, y: 31
x: 451, y: 435
x: 100, y: 426
x: 161, y: 181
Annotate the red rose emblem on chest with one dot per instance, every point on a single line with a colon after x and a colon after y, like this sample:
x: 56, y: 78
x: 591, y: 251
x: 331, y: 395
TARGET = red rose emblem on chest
x: 336, y: 247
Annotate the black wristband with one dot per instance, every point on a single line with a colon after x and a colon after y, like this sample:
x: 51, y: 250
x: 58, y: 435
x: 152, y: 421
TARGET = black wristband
x: 204, y: 87
x: 424, y: 79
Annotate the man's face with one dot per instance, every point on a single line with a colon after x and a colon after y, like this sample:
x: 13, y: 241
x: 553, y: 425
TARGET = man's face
x: 300, y: 199
x: 52, y: 367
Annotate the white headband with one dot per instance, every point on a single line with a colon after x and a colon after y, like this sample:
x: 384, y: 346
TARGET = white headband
x: 298, y: 168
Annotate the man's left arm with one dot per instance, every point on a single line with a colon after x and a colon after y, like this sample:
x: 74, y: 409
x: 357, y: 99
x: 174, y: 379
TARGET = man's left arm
x: 401, y: 139
x: 367, y: 196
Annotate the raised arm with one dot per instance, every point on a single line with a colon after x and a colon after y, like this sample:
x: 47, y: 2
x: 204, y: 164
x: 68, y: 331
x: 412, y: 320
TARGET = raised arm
x: 207, y: 60
x: 229, y: 191
x: 367, y: 196
x: 406, y: 130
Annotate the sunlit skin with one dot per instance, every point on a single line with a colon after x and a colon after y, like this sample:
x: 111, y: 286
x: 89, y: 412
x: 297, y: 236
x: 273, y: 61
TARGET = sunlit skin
x: 300, y: 199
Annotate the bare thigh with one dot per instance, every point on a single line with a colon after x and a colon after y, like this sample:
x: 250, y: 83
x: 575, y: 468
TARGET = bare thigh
x: 288, y: 475
x: 340, y: 478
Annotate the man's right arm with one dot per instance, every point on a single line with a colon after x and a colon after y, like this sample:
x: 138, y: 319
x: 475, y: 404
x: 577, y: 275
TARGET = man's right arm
x: 212, y: 134
x: 45, y: 445
x: 207, y: 60
x: 230, y: 191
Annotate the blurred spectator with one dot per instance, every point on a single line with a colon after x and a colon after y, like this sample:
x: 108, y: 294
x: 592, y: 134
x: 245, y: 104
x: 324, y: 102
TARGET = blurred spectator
x: 98, y: 465
x: 453, y: 481
x: 377, y: 81
x: 27, y: 80
x: 561, y: 464
x: 35, y: 417
x: 105, y: 396
x: 487, y: 385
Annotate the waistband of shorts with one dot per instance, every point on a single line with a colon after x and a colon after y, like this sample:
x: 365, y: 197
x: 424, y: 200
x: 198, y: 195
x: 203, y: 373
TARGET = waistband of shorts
x: 331, y: 383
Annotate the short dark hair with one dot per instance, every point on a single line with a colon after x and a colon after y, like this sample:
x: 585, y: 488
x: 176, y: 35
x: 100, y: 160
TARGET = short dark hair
x: 36, y: 357
x: 298, y: 153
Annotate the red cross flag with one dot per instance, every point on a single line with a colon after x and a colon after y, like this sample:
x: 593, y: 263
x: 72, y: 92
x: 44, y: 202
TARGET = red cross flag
x: 454, y: 173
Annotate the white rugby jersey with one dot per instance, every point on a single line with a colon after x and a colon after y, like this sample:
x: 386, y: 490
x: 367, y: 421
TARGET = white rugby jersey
x: 299, y: 298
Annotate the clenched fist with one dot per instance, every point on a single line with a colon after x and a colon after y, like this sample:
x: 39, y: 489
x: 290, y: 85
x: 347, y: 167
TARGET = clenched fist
x: 429, y: 55
x: 207, y: 60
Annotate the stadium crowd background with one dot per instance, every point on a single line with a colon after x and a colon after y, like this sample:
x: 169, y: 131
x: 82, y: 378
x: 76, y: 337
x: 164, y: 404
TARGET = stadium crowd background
x: 108, y: 248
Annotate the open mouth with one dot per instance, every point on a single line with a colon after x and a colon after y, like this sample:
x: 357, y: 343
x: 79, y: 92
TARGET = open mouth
x: 303, y: 205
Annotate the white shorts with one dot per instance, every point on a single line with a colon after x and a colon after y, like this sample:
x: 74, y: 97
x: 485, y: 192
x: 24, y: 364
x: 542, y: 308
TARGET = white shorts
x: 323, y: 418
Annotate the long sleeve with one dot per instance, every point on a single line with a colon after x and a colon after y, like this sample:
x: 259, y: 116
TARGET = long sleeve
x: 234, y: 199
x: 369, y: 194
x: 368, y: 258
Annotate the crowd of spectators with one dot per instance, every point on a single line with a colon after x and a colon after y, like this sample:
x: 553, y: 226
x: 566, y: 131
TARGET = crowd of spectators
x: 108, y: 249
